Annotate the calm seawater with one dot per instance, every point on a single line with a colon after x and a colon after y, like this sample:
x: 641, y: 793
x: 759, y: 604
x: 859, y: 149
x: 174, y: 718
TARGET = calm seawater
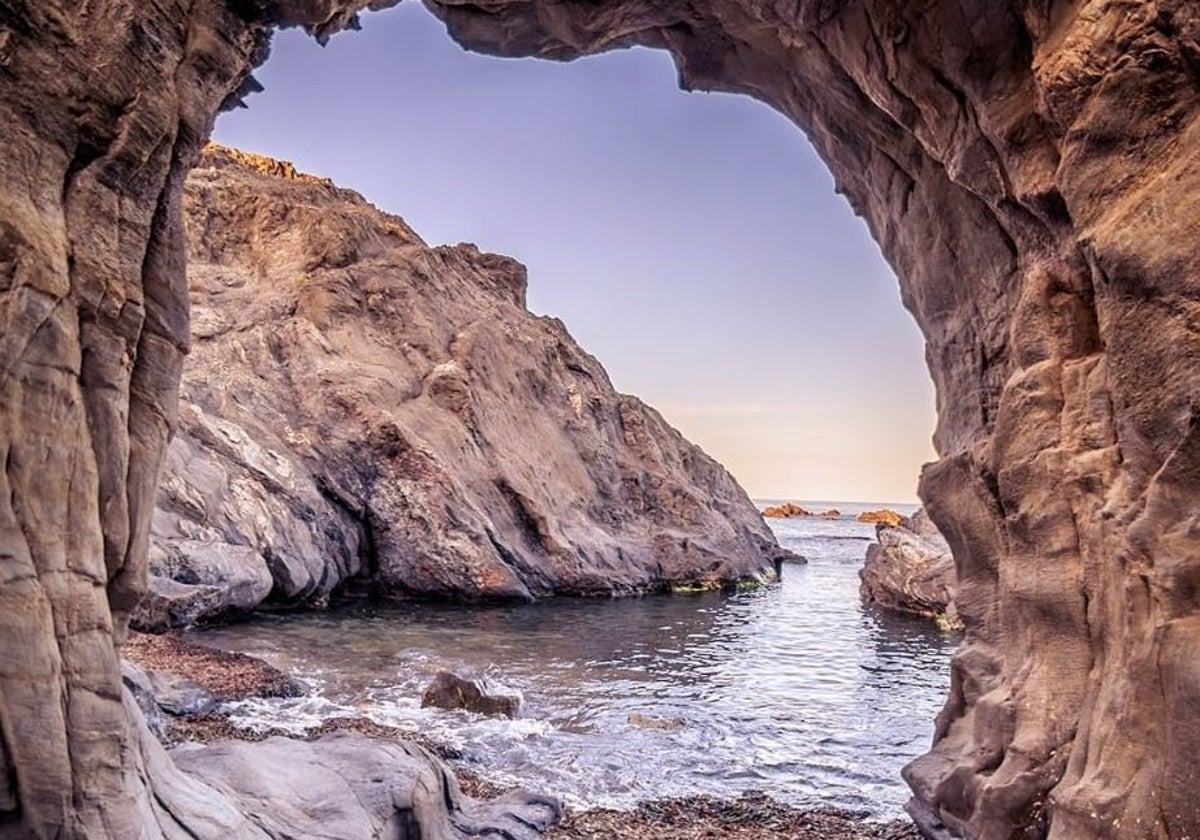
x: 792, y: 689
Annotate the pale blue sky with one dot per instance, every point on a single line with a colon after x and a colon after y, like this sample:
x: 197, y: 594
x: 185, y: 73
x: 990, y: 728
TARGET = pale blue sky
x: 692, y: 242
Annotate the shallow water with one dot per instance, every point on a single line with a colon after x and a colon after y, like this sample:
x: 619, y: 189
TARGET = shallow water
x: 792, y: 689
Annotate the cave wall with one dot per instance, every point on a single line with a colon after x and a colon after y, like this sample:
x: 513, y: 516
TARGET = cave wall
x: 1028, y: 168
x: 103, y: 107
x: 1030, y: 171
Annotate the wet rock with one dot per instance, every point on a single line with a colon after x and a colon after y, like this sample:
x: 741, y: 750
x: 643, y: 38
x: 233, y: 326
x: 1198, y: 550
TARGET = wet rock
x: 137, y: 682
x: 163, y: 696
x: 450, y: 691
x: 909, y: 569
x: 192, y: 580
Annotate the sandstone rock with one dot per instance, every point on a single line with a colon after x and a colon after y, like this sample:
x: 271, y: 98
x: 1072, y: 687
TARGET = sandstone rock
x: 360, y: 405
x: 787, y: 510
x: 832, y: 513
x: 909, y: 569
x: 880, y: 517
x: 1029, y: 170
x: 103, y: 107
x: 450, y: 691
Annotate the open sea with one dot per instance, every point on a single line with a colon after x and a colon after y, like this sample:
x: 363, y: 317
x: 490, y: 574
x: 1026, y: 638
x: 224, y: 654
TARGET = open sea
x: 793, y: 689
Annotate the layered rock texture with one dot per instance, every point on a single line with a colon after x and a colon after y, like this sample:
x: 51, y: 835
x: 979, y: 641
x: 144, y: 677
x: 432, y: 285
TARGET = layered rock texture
x: 360, y: 406
x: 909, y: 569
x: 1029, y: 168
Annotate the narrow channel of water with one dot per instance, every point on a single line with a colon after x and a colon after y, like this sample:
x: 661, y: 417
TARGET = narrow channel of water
x: 792, y: 689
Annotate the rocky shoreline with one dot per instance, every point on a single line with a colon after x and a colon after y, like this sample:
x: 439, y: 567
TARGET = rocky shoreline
x: 174, y: 660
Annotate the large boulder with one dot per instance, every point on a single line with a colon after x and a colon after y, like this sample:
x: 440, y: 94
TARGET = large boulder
x: 359, y: 406
x: 909, y: 569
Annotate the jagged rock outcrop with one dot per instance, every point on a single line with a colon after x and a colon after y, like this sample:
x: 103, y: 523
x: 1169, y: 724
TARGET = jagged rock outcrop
x: 909, y: 569
x: 1029, y: 168
x: 360, y: 405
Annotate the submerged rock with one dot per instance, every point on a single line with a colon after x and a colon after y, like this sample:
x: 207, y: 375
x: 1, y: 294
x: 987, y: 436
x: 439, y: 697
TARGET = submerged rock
x: 361, y: 406
x: 909, y: 569
x: 667, y: 724
x: 450, y: 691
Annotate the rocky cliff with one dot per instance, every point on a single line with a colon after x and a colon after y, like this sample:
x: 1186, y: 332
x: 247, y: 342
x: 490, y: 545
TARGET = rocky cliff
x: 360, y: 406
x: 1030, y: 170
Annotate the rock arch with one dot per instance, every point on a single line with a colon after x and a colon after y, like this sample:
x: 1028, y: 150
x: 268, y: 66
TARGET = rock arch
x: 1028, y: 168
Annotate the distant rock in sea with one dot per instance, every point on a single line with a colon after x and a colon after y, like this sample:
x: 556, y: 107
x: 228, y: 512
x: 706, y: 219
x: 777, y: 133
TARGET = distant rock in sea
x: 362, y: 409
x: 788, y: 510
x: 791, y: 510
x: 909, y: 569
x: 880, y: 517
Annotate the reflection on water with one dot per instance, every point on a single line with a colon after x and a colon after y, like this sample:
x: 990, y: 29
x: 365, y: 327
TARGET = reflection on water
x: 792, y: 689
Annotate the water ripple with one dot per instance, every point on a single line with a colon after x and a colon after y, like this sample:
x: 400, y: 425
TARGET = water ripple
x: 793, y: 689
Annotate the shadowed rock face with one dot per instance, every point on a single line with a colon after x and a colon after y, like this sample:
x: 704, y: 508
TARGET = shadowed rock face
x: 1029, y: 169
x: 360, y: 405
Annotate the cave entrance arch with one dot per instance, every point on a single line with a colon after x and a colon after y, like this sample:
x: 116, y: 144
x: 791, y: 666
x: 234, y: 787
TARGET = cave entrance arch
x: 694, y: 244
x: 1026, y: 169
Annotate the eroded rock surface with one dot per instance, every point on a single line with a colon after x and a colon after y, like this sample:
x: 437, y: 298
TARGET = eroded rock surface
x: 1029, y: 168
x: 360, y: 405
x: 909, y: 569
